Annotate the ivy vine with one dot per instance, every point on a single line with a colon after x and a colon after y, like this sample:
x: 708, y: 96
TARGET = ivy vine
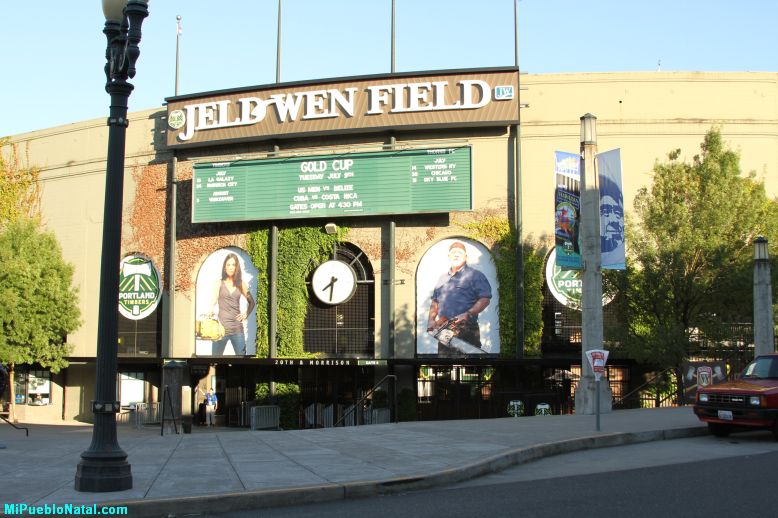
x: 300, y: 249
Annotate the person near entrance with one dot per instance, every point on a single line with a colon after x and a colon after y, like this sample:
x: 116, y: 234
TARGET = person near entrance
x: 460, y: 294
x: 227, y: 294
x: 211, y: 403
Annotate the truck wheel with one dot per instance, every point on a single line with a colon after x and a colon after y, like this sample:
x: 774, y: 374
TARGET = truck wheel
x: 719, y: 430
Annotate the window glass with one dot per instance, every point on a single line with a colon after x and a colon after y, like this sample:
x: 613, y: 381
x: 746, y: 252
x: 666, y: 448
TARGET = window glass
x: 20, y: 387
x: 38, y: 387
x: 759, y: 368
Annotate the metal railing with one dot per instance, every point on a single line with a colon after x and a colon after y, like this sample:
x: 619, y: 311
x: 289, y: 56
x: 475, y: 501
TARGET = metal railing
x: 26, y: 430
x: 140, y: 415
x: 650, y: 393
x: 358, y: 404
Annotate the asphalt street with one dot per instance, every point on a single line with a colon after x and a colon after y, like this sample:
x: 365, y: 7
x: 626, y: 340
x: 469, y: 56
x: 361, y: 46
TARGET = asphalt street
x: 702, y: 476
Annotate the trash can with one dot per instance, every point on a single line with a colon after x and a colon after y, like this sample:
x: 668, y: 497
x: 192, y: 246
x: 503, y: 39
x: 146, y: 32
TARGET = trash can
x: 186, y: 424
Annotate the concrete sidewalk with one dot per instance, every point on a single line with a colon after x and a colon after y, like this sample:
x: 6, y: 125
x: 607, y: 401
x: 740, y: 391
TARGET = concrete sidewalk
x: 220, y: 470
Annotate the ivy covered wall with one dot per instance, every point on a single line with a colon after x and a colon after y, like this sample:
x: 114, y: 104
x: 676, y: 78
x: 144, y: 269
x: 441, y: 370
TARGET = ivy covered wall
x: 300, y: 250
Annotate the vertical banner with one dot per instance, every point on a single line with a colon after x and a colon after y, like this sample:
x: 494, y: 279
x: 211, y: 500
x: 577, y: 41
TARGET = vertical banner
x: 611, y: 210
x: 567, y: 205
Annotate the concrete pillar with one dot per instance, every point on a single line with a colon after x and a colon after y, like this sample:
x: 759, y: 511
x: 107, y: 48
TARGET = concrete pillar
x: 764, y: 334
x: 591, y: 256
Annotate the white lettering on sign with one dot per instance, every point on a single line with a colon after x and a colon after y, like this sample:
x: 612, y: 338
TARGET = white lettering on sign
x: 331, y: 103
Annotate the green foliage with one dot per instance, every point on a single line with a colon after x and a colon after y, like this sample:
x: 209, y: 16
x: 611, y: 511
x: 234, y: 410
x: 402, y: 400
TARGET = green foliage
x: 39, y: 305
x: 691, y: 251
x: 287, y: 397
x: 19, y: 190
x: 406, y: 405
x: 257, y: 245
x: 299, y: 250
x: 502, y: 238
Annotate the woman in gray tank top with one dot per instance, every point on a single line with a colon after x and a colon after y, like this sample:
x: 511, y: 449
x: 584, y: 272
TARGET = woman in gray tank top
x: 227, y: 294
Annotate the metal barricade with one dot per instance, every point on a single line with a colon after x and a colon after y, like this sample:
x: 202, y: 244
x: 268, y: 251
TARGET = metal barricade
x: 145, y: 414
x: 265, y: 417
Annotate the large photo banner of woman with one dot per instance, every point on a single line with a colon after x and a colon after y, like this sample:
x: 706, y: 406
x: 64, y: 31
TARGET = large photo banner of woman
x: 457, y: 301
x: 225, y: 305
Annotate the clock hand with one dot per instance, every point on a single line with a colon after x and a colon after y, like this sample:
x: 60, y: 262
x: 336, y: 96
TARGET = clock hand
x: 331, y: 286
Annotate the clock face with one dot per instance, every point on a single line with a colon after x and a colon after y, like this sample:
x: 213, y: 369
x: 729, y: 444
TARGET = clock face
x: 334, y: 282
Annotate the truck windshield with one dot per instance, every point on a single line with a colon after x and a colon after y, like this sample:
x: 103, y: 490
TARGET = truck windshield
x: 761, y: 368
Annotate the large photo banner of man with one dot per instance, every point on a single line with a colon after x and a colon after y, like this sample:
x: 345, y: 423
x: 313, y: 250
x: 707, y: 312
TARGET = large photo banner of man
x: 457, y: 301
x: 226, y: 322
x: 611, y: 210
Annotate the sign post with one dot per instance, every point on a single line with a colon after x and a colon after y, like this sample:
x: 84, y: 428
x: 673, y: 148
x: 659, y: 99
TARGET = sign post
x: 597, y: 360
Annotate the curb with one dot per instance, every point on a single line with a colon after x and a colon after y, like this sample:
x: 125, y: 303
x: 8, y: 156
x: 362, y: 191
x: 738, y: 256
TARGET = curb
x: 249, y: 500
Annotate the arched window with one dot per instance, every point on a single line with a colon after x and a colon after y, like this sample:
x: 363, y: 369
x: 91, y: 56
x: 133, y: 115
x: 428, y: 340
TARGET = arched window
x: 346, y: 329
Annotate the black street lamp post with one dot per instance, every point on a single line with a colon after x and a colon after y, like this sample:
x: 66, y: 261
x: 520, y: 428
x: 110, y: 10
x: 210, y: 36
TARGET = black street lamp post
x: 104, y: 465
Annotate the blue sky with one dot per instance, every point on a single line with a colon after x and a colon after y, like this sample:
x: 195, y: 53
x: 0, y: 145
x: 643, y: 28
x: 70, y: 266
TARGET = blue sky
x: 53, y: 61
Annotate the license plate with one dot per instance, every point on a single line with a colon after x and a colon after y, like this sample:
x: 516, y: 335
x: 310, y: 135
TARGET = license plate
x: 726, y: 415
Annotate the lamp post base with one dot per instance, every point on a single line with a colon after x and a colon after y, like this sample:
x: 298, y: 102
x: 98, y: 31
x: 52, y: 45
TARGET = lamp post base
x: 586, y: 396
x: 102, y: 476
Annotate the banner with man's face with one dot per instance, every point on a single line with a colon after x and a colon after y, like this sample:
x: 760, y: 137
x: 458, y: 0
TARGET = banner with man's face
x: 226, y: 321
x: 457, y: 301
x: 611, y: 210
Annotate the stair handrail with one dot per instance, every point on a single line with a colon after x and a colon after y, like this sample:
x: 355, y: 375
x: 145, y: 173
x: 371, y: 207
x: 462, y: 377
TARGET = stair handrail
x: 26, y: 430
x: 621, y: 399
x: 366, y: 396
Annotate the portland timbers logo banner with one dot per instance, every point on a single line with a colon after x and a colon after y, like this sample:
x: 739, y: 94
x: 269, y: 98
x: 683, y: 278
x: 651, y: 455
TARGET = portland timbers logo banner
x: 139, y: 287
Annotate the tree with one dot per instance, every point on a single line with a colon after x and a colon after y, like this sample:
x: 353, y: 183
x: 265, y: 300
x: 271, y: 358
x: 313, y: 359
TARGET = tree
x: 19, y: 190
x: 40, y: 306
x: 691, y: 251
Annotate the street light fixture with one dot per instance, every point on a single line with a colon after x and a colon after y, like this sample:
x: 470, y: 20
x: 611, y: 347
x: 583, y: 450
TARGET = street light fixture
x: 103, y: 466
x: 761, y: 249
x: 764, y: 333
x: 589, y: 130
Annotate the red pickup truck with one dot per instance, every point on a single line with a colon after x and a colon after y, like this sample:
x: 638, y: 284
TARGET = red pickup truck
x: 748, y: 403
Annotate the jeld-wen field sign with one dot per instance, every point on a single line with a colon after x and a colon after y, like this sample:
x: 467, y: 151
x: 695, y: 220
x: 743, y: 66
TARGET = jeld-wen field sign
x: 395, y: 182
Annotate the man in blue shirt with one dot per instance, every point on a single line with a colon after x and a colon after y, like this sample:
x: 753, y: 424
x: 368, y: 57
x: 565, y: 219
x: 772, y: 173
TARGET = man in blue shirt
x: 211, y: 402
x: 459, y: 296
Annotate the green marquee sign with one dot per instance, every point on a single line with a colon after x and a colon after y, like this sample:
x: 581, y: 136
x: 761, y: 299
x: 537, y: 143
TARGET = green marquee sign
x: 393, y: 182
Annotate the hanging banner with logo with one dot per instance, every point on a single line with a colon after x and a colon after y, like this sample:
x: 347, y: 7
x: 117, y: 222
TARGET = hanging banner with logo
x: 700, y: 374
x: 567, y: 204
x: 139, y: 287
x: 611, y: 210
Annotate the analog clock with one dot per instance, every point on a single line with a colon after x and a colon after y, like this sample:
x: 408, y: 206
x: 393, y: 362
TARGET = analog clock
x: 334, y: 282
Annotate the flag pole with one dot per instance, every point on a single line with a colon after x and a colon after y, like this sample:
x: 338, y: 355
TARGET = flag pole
x: 178, y: 43
x: 278, y: 45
